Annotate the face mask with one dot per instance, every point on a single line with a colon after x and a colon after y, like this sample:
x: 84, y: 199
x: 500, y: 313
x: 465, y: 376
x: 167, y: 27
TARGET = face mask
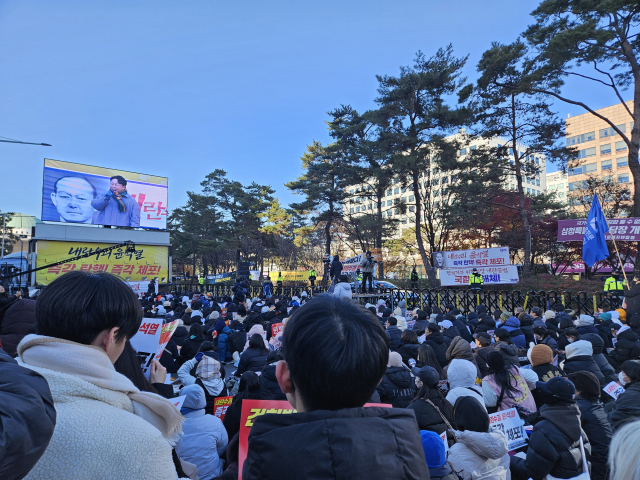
x: 571, y: 340
x: 621, y: 378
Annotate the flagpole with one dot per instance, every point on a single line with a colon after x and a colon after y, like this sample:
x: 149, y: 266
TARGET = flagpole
x: 616, y: 247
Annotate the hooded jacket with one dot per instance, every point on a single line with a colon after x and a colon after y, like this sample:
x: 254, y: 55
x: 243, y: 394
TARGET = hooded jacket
x: 598, y: 347
x: 580, y: 357
x: 526, y: 325
x: 462, y: 328
x: 408, y: 351
x: 449, y: 334
x: 512, y: 325
x: 100, y: 415
x: 420, y: 326
x: 336, y: 268
x: 394, y: 335
x: 252, y: 360
x: 627, y: 406
x: 550, y: 342
x: 486, y: 324
x: 509, y: 351
x: 29, y: 418
x: 461, y: 349
x: 16, y: 319
x: 436, y: 341
x: 343, y: 290
x: 338, y: 444
x: 462, y: 375
x: 596, y: 425
x: 627, y: 346
x: 553, y: 445
x: 180, y: 335
x: 397, y: 387
x: 203, y: 438
x: 480, y: 455
x: 585, y: 325
x: 224, y: 348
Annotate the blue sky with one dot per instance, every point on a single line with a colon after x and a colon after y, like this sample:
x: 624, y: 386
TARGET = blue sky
x: 179, y: 89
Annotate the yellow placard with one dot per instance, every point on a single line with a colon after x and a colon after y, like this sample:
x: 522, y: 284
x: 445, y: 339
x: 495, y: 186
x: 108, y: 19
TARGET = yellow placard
x: 147, y: 261
x: 293, y: 276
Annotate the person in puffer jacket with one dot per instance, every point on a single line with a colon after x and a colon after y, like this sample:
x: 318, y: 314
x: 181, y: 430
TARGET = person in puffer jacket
x: 480, y: 452
x: 598, y: 348
x: 224, y: 349
x: 204, y: 438
x: 584, y: 324
x: 268, y: 379
x: 526, y: 325
x: 512, y: 325
x: 462, y: 375
x: 397, y: 386
x: 627, y: 346
x: 395, y: 335
x: 343, y: 288
x: 580, y: 357
x: 554, y: 444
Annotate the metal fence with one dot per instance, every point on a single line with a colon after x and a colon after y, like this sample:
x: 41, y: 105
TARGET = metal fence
x: 464, y: 300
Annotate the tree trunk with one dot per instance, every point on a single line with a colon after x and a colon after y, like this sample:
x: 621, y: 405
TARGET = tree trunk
x: 380, y: 192
x: 327, y: 233
x: 526, y: 270
x: 426, y: 261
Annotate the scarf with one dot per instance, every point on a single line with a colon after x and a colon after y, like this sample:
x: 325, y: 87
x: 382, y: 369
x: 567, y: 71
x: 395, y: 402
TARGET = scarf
x: 122, y: 207
x: 91, y: 364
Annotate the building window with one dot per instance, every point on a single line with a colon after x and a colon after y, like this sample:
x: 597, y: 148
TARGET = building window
x: 357, y: 209
x: 351, y: 209
x: 396, y: 191
x: 622, y: 162
x: 605, y: 165
x: 607, y: 179
x: 396, y: 211
x: 435, y: 181
x: 585, y: 137
x: 403, y: 199
x: 463, y: 151
x: 623, y: 178
x: 396, y: 180
x: 473, y: 148
x: 590, y: 167
x: 436, y: 193
x: 610, y: 132
x: 621, y: 146
x: 537, y: 161
x: 605, y: 149
x: 587, y: 152
x: 561, y: 194
x: 404, y: 189
x: 389, y: 192
x: 412, y: 198
x: 389, y: 203
x: 404, y: 220
x: 412, y: 208
x: 537, y: 183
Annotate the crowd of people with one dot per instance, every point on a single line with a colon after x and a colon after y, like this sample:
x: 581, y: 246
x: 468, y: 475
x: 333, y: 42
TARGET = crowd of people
x: 380, y: 391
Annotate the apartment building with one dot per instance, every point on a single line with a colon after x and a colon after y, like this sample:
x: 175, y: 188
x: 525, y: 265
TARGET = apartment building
x: 557, y: 183
x: 434, y: 183
x: 602, y: 153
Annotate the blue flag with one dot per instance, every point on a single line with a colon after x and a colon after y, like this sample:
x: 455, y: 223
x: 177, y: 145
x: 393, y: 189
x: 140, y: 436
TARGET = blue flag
x: 594, y: 246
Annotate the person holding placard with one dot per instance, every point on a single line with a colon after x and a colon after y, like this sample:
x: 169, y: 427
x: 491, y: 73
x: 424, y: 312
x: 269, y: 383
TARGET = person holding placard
x: 627, y: 406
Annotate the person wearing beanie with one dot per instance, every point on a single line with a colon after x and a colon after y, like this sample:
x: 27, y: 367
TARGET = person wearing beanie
x: 622, y: 315
x: 506, y: 385
x: 541, y: 358
x: 433, y: 412
x: 594, y: 421
x: 504, y: 316
x: 397, y: 386
x: 526, y: 325
x: 480, y: 451
x: 554, y: 447
x: 436, y: 457
x: 402, y: 305
x: 580, y: 357
x: 204, y: 438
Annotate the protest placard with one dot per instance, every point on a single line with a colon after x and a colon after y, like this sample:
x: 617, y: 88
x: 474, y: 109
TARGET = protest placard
x: 276, y: 332
x: 178, y: 401
x: 613, y: 389
x: 145, y: 342
x: 221, y: 405
x: 443, y: 436
x: 509, y: 423
x: 251, y: 409
x: 165, y: 335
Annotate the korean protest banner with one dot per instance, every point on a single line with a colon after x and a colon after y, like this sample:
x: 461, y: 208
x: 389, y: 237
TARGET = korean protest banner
x: 613, y: 389
x: 252, y: 409
x: 350, y: 265
x: 621, y: 229
x: 290, y: 276
x: 219, y: 278
x: 479, y: 257
x: 165, y: 335
x: 145, y: 342
x: 140, y: 287
x: 221, y: 405
x: 509, y: 423
x: 147, y: 262
x: 490, y: 275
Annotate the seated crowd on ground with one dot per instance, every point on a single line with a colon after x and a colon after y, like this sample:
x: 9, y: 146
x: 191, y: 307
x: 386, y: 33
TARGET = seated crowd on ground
x: 81, y: 407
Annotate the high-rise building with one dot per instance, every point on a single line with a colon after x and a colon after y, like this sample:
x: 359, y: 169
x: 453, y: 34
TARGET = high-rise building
x: 557, y: 183
x: 602, y: 153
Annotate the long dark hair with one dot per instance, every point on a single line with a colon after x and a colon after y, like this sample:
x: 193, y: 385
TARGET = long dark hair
x: 128, y: 364
x: 195, y: 331
x: 427, y: 358
x: 256, y: 341
x: 425, y: 393
x: 504, y: 379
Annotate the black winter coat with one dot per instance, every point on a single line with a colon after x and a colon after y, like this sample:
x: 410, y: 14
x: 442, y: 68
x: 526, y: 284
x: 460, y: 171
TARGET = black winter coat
x: 596, y: 425
x: 352, y: 443
x: 336, y: 268
x: 552, y: 327
x: 627, y: 406
x: 600, y: 358
x: 509, y: 351
x: 627, y: 347
x: 28, y: 418
x: 397, y: 387
x: 553, y: 445
x: 190, y: 348
x: 252, y: 360
x: 407, y: 351
x: 16, y: 320
x: 584, y: 362
x: 180, y: 335
x: 482, y: 355
x: 449, y: 334
x: 462, y: 329
x: 632, y: 297
x: 436, y: 341
x: 394, y: 334
x: 420, y: 326
x: 269, y: 382
x: 526, y: 325
x: 427, y: 416
x: 486, y: 324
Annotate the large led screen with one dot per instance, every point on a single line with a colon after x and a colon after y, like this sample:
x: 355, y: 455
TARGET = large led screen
x: 82, y: 194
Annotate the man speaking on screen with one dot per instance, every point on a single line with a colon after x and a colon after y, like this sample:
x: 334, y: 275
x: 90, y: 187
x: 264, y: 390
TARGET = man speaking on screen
x: 116, y: 207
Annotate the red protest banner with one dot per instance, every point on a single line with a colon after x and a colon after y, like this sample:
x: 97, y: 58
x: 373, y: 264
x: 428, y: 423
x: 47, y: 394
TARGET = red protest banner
x: 276, y: 329
x: 251, y: 409
x: 220, y: 406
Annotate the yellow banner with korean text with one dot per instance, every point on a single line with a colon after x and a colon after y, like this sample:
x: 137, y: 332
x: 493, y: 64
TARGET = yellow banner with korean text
x: 147, y: 262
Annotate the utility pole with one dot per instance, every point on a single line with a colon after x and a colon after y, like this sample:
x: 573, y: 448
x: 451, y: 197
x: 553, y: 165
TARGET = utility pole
x: 4, y: 223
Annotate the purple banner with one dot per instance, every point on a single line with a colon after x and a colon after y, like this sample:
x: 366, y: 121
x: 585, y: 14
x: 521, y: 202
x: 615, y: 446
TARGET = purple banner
x: 622, y: 229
